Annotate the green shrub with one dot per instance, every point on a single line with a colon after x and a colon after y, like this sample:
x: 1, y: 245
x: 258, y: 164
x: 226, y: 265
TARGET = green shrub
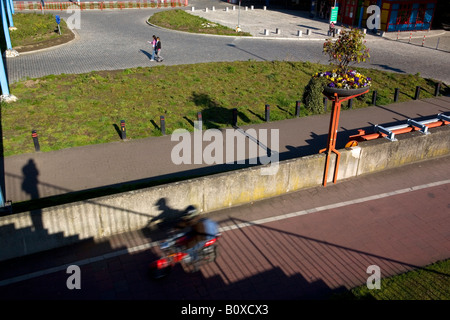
x: 313, y: 97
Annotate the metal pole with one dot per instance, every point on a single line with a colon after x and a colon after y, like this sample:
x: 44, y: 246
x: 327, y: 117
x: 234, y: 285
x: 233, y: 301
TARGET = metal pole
x: 239, y: 14
x: 5, y: 27
x: 396, y: 94
x: 297, y: 108
x: 8, y: 9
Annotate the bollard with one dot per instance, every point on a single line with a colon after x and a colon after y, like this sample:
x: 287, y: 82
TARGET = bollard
x: 234, y: 8
x: 163, y: 125
x: 213, y: 8
x: 423, y: 41
x: 374, y: 98
x: 266, y: 32
x: 396, y: 94
x: 264, y: 8
x: 252, y: 7
x: 410, y: 36
x: 437, y: 45
x: 193, y: 9
x: 350, y: 103
x: 123, y: 130
x: 234, y: 117
x: 206, y: 9
x: 199, y: 124
x: 416, y: 96
x: 325, y: 101
x: 226, y: 9
x: 437, y: 88
x: 297, y: 108
x: 34, y: 135
x: 299, y: 33
x: 267, y: 113
x: 398, y: 34
x: 278, y: 31
x: 308, y: 32
x: 246, y: 8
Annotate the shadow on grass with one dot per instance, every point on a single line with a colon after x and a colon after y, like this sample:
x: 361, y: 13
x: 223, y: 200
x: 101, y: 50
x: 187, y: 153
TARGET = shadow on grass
x: 213, y: 114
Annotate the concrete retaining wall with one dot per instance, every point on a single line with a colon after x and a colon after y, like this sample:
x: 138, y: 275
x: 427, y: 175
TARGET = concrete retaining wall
x: 35, y: 231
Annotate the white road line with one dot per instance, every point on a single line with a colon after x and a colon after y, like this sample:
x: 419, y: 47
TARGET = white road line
x: 333, y: 206
x: 224, y: 229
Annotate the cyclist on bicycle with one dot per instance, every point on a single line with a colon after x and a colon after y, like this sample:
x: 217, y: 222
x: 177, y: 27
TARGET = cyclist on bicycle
x: 198, y: 230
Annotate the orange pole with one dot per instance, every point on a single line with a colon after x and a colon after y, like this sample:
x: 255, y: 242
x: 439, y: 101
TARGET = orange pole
x: 332, y: 135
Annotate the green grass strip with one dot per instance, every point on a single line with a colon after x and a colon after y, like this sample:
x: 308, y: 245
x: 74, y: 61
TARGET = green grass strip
x: 76, y: 110
x: 182, y: 21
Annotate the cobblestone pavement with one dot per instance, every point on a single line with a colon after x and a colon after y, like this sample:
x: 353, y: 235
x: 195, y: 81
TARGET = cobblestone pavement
x: 117, y: 39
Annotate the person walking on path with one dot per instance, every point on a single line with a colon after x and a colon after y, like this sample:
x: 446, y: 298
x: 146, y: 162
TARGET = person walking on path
x: 153, y: 43
x: 158, y: 50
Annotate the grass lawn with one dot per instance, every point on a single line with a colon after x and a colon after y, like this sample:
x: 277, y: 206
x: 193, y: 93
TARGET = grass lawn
x: 182, y: 21
x: 76, y: 110
x: 34, y: 28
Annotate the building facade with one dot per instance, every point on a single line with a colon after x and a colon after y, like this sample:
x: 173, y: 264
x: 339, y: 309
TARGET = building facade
x: 395, y: 15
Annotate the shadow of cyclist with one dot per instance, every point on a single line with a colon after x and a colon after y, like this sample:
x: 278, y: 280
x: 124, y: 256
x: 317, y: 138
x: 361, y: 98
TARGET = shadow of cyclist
x: 167, y: 219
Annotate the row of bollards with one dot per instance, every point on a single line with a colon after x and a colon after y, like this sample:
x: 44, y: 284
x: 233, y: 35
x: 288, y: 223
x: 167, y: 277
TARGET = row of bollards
x: 234, y: 114
x: 423, y: 39
x: 278, y: 32
x: 213, y: 8
x: 437, y: 88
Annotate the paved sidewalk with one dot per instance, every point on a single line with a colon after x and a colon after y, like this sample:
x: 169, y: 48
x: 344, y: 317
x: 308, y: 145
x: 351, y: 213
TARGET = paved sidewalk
x: 264, y: 23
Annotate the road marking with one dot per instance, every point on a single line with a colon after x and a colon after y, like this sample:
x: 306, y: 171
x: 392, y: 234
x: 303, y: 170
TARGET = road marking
x: 225, y: 229
x: 333, y: 206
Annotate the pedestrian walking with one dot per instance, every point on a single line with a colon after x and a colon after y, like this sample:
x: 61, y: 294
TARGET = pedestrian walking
x: 331, y: 29
x: 153, y: 43
x: 158, y: 50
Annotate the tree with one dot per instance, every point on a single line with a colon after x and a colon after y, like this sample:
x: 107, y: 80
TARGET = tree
x: 348, y: 48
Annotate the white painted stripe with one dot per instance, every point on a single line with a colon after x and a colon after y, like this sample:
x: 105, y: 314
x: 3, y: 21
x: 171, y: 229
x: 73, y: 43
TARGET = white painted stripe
x: 224, y: 229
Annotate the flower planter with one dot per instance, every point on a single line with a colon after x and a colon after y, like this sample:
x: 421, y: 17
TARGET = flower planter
x: 344, y: 92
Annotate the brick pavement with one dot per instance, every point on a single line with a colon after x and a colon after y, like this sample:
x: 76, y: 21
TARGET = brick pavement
x: 309, y: 255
